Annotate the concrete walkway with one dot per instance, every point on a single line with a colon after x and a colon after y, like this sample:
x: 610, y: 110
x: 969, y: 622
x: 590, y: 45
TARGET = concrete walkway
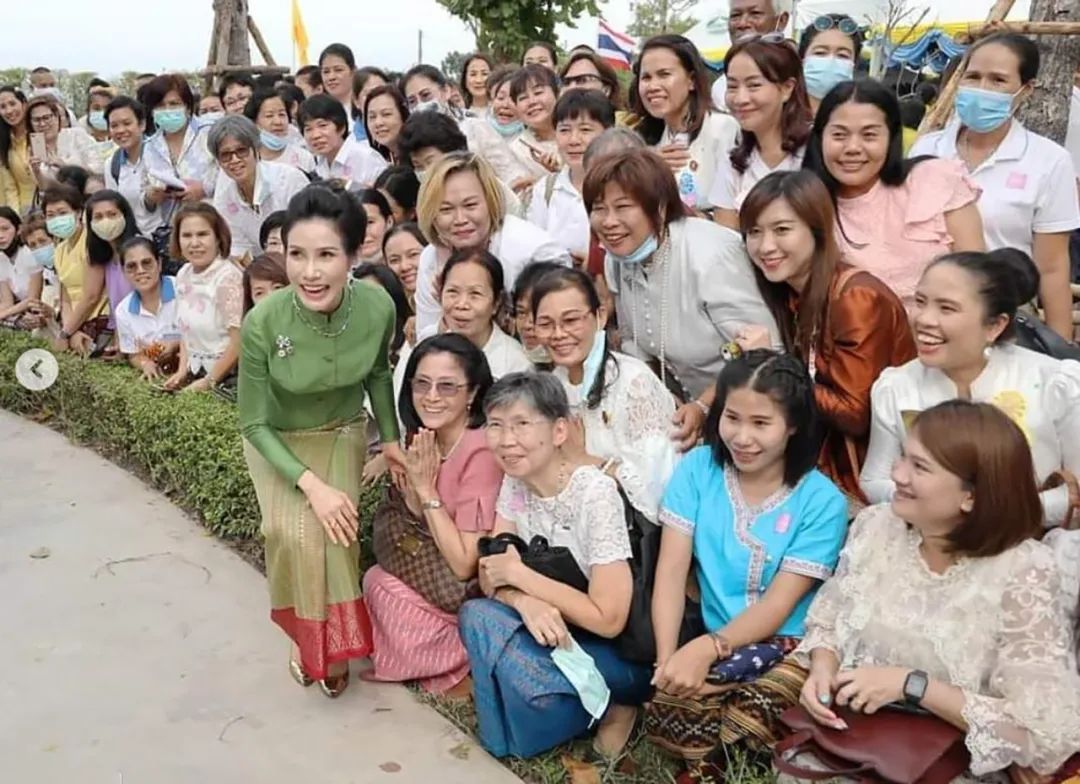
x: 140, y: 650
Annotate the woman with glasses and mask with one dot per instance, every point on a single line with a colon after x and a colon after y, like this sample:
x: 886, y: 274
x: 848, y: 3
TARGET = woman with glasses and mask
x: 450, y: 487
x: 1029, y: 191
x: 272, y: 114
x: 532, y: 629
x: 248, y: 189
x: 147, y: 328
x: 830, y: 48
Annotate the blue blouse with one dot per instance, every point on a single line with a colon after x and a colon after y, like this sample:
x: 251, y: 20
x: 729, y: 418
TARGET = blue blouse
x: 739, y: 549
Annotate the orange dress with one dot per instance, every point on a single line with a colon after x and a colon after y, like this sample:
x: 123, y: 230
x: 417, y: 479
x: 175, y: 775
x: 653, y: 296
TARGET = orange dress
x: 866, y: 330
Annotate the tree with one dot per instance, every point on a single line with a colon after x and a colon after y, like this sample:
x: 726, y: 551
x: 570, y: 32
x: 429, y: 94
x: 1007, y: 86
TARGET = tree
x: 1047, y: 111
x: 504, y: 28
x: 18, y: 77
x: 653, y: 17
x: 453, y: 64
x: 897, y: 14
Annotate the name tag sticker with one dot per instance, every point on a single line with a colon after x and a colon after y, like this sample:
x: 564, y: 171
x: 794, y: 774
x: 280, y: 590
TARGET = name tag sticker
x: 1016, y: 181
x: 783, y: 523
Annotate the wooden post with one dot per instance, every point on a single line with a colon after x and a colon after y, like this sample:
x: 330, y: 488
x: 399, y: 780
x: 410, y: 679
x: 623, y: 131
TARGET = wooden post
x: 1046, y: 112
x: 936, y: 118
x: 260, y: 42
x: 975, y: 32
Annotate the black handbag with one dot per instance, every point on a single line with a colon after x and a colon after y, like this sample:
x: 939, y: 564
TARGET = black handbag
x: 555, y: 563
x: 1033, y: 334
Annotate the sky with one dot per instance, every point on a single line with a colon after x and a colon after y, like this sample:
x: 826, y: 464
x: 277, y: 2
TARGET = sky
x: 157, y: 35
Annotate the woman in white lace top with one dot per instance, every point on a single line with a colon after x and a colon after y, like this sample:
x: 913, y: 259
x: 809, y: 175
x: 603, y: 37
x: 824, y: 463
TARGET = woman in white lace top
x: 623, y: 407
x: 944, y: 600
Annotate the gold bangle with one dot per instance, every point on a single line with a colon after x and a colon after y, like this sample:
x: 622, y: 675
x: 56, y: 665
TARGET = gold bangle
x: 722, y: 644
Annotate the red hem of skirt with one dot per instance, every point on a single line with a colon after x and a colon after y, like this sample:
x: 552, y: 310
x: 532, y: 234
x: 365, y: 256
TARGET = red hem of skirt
x: 345, y: 634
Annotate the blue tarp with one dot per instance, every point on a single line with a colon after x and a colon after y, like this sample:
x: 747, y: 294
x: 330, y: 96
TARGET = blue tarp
x: 934, y: 50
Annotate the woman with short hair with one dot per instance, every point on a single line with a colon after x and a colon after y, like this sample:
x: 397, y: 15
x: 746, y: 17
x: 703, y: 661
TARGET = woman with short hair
x: 146, y: 319
x: 178, y: 148
x: 338, y: 156
x: 127, y: 170
x: 272, y: 114
x: 63, y: 146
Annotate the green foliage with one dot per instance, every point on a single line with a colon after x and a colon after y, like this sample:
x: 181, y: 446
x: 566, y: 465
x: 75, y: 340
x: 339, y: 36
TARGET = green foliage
x: 453, y: 64
x: 19, y: 77
x: 505, y: 27
x: 653, y: 17
x: 186, y: 445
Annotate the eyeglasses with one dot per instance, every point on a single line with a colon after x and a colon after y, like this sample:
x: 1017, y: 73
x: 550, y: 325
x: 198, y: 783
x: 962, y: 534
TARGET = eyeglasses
x: 769, y: 38
x: 135, y: 266
x: 422, y: 386
x: 845, y: 24
x: 518, y: 428
x: 573, y: 322
x: 237, y: 101
x: 43, y: 119
x: 581, y: 80
x: 233, y: 155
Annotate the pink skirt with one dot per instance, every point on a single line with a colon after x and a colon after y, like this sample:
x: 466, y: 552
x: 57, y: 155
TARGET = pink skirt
x: 414, y: 640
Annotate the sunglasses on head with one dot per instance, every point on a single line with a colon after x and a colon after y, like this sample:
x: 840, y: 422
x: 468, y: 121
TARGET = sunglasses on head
x: 845, y: 24
x: 769, y: 38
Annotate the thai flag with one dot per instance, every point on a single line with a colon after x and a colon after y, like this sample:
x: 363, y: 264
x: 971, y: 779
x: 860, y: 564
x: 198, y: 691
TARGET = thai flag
x: 614, y: 47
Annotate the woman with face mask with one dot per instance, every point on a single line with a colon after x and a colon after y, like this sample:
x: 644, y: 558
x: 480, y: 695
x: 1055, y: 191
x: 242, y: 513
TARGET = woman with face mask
x: 622, y: 410
x: 271, y: 113
x: 964, y: 322
x: 127, y: 170
x: 494, y: 136
x: 1029, y: 195
x: 97, y: 126
x: 534, y: 634
x: 16, y: 176
x: 177, y: 151
x: 894, y: 215
x: 462, y: 208
x: 84, y: 304
x: 112, y: 223
x: 830, y: 48
x: 683, y: 286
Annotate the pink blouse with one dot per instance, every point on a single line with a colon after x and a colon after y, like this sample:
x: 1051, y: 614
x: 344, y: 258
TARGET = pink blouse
x: 469, y: 482
x: 895, y: 232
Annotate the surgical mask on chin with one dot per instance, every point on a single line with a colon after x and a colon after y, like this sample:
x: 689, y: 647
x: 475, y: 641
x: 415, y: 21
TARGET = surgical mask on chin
x: 642, y: 254
x: 983, y: 110
x: 506, y: 130
x: 108, y: 229
x: 45, y: 255
x: 171, y: 120
x: 583, y: 674
x: 538, y: 354
x: 824, y: 73
x: 421, y: 176
x: 97, y: 121
x: 271, y: 142
x: 430, y: 106
x: 208, y: 119
x: 61, y: 226
x: 593, y: 362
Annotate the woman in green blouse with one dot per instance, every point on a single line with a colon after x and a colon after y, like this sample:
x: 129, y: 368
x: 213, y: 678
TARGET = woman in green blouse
x: 309, y: 352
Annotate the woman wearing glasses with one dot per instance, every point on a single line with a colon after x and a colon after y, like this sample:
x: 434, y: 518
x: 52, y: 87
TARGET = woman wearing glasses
x: 451, y: 483
x: 830, y: 48
x: 63, y: 146
x: 586, y: 70
x: 766, y: 94
x: 146, y: 319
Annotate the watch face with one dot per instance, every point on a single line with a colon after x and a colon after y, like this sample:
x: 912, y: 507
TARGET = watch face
x: 915, y: 686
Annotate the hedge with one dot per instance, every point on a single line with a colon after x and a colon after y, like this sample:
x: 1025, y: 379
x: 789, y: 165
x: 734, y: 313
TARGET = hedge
x: 187, y: 446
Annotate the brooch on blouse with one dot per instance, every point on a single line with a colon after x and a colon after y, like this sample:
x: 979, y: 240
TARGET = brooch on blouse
x: 730, y: 351
x: 284, y: 346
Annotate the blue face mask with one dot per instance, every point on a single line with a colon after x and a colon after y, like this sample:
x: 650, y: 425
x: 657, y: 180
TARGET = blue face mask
x: 44, y: 255
x: 642, y: 254
x: 580, y: 669
x: 983, y: 110
x: 271, y: 142
x: 172, y: 120
x: 506, y: 130
x: 97, y: 121
x: 824, y: 73
x: 593, y: 362
x: 61, y: 226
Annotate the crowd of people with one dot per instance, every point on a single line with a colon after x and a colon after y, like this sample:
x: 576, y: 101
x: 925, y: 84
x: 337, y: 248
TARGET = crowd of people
x: 695, y: 402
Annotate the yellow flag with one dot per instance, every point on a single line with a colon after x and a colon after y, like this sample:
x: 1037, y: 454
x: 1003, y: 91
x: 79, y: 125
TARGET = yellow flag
x: 299, y: 34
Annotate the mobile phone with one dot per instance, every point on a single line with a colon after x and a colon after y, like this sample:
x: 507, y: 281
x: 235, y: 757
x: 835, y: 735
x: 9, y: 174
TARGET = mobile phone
x: 37, y: 146
x: 532, y: 147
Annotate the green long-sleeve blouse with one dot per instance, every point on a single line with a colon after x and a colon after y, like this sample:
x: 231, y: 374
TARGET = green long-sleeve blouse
x: 293, y: 378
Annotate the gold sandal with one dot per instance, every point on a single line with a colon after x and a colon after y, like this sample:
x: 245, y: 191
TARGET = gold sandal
x: 298, y: 674
x: 333, y: 686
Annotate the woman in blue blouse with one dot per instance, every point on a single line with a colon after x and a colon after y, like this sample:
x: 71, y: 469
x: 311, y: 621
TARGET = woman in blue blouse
x: 763, y: 528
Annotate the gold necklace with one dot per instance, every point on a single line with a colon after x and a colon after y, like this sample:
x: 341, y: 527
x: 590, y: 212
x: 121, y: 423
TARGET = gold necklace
x: 315, y: 327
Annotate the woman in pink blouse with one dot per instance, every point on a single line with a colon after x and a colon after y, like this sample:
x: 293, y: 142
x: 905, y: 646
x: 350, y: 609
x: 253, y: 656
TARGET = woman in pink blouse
x: 451, y: 484
x: 894, y: 215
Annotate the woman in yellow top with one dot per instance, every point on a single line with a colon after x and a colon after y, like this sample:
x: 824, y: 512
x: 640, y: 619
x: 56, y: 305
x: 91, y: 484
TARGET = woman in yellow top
x: 84, y: 306
x: 16, y: 180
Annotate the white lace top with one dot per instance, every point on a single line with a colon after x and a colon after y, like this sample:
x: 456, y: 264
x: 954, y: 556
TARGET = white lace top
x: 995, y: 627
x: 209, y: 304
x: 587, y: 517
x: 633, y: 425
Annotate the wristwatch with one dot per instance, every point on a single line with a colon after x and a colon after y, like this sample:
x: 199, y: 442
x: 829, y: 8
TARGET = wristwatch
x: 433, y: 503
x: 915, y: 687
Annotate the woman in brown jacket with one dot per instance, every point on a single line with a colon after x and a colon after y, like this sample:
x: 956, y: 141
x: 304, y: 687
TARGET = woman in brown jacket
x: 845, y: 324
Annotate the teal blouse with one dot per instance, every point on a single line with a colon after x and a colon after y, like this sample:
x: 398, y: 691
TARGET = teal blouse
x: 293, y: 378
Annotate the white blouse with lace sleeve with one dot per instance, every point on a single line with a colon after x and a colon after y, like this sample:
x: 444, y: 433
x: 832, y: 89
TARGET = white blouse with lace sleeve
x: 994, y: 627
x: 631, y: 424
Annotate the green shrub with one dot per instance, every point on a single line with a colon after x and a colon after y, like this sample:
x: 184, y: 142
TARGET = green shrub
x: 187, y: 446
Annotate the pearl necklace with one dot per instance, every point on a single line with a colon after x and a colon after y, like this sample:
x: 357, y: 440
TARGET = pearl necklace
x: 663, y: 267
x: 315, y: 327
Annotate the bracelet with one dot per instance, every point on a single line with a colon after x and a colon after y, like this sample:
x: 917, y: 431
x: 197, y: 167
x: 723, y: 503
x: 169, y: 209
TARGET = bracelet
x: 702, y: 405
x: 722, y: 645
